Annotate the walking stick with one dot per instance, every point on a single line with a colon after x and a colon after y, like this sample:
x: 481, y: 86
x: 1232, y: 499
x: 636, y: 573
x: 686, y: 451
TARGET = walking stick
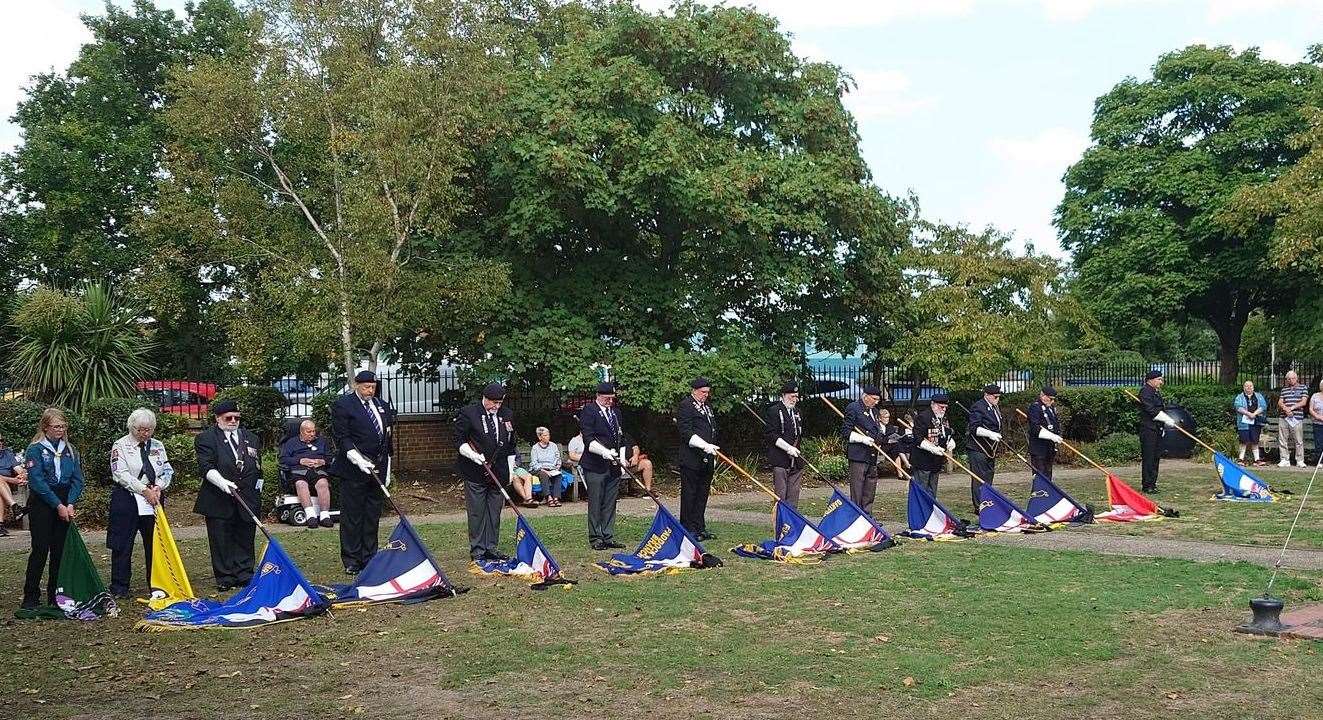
x: 556, y: 579
x: 900, y: 471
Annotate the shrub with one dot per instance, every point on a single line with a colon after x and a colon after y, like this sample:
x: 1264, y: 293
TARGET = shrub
x: 18, y: 422
x: 1116, y: 449
x: 263, y: 409
x: 827, y: 455
x: 1090, y: 413
x: 184, y: 459
x: 1223, y: 439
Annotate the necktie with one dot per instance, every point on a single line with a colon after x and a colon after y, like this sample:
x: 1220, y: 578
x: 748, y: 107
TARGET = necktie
x: 376, y: 424
x: 148, y: 471
x: 492, y: 428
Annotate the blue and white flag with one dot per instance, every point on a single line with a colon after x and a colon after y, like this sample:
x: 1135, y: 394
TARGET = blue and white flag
x: 401, y: 571
x: 928, y: 519
x: 847, y: 525
x: 1238, y: 484
x: 667, y: 547
x: 795, y: 538
x: 277, y: 593
x: 998, y: 513
x: 531, y: 558
x: 1049, y: 504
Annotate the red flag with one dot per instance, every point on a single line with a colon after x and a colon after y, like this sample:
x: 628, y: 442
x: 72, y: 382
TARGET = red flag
x: 1127, y: 505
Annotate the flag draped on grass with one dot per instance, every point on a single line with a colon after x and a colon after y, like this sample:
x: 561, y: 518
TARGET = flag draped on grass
x: 79, y: 592
x: 277, y: 593
x: 401, y: 571
x: 795, y: 539
x: 666, y: 548
x: 928, y: 519
x: 531, y: 558
x: 998, y: 513
x: 169, y: 581
x: 1238, y: 484
x: 1127, y: 504
x: 1050, y: 505
x: 851, y: 528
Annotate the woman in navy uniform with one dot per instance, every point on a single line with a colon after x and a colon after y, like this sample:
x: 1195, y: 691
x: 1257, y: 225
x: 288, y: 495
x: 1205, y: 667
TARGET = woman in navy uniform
x: 361, y: 425
x: 141, y: 472
x: 698, y: 431
x: 484, y: 434
x: 55, y: 482
x: 230, y: 460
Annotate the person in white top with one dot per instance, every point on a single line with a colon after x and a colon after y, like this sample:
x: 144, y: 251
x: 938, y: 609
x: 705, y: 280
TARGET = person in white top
x: 141, y: 472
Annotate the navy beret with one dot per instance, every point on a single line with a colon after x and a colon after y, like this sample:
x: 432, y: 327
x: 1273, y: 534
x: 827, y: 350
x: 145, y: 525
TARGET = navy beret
x: 700, y: 383
x: 224, y: 406
x: 494, y: 391
x: 790, y: 386
x: 606, y: 388
x: 365, y: 376
x: 992, y: 389
x: 872, y: 390
x: 1152, y: 374
x: 940, y: 397
x: 1049, y: 391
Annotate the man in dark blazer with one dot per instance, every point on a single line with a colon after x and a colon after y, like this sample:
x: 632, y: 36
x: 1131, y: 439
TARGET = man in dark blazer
x: 933, y: 439
x: 698, y: 433
x: 604, y: 447
x: 484, y: 434
x: 230, y: 459
x: 982, y: 436
x: 1043, y: 431
x: 362, y: 425
x: 860, y: 430
x: 783, y: 428
x: 1153, y: 424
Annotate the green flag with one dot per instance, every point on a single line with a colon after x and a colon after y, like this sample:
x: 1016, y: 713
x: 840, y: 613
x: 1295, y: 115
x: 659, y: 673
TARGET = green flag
x: 79, y: 591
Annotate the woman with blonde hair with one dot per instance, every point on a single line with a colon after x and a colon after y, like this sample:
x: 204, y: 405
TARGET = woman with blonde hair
x: 55, y: 482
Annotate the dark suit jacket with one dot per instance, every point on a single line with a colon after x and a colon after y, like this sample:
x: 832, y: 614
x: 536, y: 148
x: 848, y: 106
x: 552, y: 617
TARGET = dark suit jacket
x: 785, y: 423
x: 496, y: 448
x: 692, y: 420
x: 1042, y: 417
x: 925, y: 421
x: 1152, y: 404
x: 215, y: 454
x: 981, y: 414
x: 593, y: 424
x: 352, y: 429
x: 860, y: 419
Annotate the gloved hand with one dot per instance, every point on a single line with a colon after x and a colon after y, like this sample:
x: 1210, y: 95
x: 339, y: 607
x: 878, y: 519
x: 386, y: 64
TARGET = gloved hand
x: 995, y: 436
x: 710, y: 449
x: 932, y: 448
x: 473, y: 455
x: 950, y: 445
x: 793, y: 451
x: 360, y: 462
x: 214, y: 477
x: 1045, y: 434
x: 1165, y: 419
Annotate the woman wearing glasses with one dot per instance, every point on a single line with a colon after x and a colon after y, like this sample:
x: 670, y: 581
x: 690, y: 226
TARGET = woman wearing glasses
x: 55, y: 482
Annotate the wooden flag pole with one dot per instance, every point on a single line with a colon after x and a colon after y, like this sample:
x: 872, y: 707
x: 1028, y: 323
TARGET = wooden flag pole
x: 900, y: 471
x: 1178, y: 427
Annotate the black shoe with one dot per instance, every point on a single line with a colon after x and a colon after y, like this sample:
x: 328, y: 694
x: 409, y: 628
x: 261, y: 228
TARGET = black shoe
x: 120, y: 594
x: 4, y: 531
x: 1150, y: 490
x: 16, y: 512
x: 612, y: 544
x: 224, y: 588
x: 352, y: 571
x: 29, y: 604
x: 599, y: 546
x: 327, y: 521
x: 312, y: 522
x: 705, y: 535
x: 496, y: 557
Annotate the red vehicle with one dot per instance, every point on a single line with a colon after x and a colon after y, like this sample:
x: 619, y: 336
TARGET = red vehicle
x: 179, y: 397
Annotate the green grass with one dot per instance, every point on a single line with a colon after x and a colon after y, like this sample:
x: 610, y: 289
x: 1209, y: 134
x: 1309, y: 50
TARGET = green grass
x: 1188, y: 490
x: 1028, y: 633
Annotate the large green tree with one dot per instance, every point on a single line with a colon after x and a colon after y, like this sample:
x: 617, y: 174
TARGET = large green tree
x: 674, y: 183
x: 1141, y: 210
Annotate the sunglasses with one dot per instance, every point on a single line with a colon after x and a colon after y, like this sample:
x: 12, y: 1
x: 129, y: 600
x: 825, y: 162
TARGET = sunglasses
x: 229, y: 417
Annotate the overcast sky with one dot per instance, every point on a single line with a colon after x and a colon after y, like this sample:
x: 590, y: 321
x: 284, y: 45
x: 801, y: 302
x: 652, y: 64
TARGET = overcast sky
x: 976, y: 105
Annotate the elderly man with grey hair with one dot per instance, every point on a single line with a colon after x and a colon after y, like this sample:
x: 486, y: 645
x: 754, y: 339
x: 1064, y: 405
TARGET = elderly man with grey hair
x: 304, y: 456
x: 1291, y: 428
x: 141, y: 472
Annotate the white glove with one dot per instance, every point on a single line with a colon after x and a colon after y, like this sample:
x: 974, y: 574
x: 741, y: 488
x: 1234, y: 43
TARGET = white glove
x: 214, y: 477
x: 950, y: 445
x: 992, y: 435
x: 1165, y: 419
x: 793, y: 451
x: 862, y: 439
x: 609, y: 453
x: 467, y: 451
x: 361, y: 462
x: 1045, y: 434
x: 697, y: 442
x: 932, y: 448
x: 710, y: 449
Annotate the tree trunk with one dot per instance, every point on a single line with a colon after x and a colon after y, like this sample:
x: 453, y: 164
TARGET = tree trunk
x: 1228, y: 350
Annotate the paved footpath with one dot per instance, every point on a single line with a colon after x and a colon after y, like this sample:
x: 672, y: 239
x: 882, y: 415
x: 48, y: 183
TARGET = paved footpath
x: 726, y: 508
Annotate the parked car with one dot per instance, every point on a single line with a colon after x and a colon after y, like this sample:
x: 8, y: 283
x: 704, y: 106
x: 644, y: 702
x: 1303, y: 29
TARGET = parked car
x: 179, y: 397
x: 295, y: 390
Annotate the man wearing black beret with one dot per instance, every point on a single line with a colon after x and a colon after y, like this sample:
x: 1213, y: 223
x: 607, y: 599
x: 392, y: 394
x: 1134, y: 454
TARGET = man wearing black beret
x: 484, y: 434
x: 783, y: 428
x: 1153, y: 421
x: 230, y: 460
x: 1044, y: 431
x: 982, y: 437
x: 861, y: 430
x: 932, y: 432
x: 698, y: 433
x: 604, y: 443
x: 362, y: 425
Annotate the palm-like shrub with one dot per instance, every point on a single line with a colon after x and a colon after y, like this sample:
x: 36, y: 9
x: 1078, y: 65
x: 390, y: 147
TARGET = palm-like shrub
x: 72, y: 349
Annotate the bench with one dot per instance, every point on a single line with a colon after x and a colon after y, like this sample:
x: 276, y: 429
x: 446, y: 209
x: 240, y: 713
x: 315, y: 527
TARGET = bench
x: 1268, y: 438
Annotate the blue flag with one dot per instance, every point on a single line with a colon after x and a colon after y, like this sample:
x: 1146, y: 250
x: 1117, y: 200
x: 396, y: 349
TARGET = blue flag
x: 531, y: 558
x: 1049, y: 504
x: 401, y: 571
x: 277, y: 593
x: 795, y: 538
x: 1238, y: 484
x: 928, y: 519
x: 667, y: 547
x: 847, y: 525
x: 998, y: 513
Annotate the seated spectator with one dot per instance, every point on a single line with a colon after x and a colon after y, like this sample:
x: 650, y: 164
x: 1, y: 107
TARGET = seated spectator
x: 304, y: 458
x: 574, y: 453
x: 544, y: 461
x: 638, y: 463
x: 521, y: 483
x: 1291, y: 430
x: 1251, y: 411
x: 12, y: 475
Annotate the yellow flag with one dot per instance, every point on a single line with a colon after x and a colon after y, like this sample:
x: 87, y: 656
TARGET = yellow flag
x: 169, y: 581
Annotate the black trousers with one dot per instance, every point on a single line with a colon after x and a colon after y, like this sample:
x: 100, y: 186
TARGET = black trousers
x: 1150, y: 446
x: 124, y: 526
x: 695, y: 486
x: 603, y: 492
x: 984, y: 466
x: 48, y: 532
x: 231, y: 542
x: 361, y: 502
x: 1043, y: 464
x: 482, y: 504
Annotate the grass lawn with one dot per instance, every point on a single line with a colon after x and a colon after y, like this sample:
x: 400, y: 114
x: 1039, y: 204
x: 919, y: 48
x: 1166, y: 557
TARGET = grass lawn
x: 931, y: 628
x: 1188, y: 490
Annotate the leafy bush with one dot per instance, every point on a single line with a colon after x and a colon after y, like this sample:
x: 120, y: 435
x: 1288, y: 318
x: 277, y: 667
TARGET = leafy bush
x: 827, y: 455
x: 1224, y: 439
x: 1116, y: 449
x: 262, y: 407
x: 184, y: 459
x: 18, y: 422
x: 1090, y: 413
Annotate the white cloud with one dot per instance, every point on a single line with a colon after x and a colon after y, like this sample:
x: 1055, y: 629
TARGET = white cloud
x: 885, y: 93
x: 35, y: 37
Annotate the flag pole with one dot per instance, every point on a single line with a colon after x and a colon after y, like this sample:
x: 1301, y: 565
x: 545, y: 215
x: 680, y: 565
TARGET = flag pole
x: 1178, y: 427
x: 708, y: 559
x: 900, y: 471
x: 1075, y: 450
x: 777, y: 498
x: 557, y: 579
x: 999, y: 445
x: 390, y: 499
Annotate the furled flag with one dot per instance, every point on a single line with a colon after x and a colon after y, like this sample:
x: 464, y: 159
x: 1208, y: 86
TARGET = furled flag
x: 277, y: 593
x: 79, y: 592
x: 1050, y: 505
x: 667, y: 547
x: 795, y: 539
x: 401, y: 571
x: 1238, y: 484
x: 998, y: 513
x: 531, y: 560
x: 851, y: 528
x: 929, y: 519
x: 169, y: 581
x: 1127, y: 505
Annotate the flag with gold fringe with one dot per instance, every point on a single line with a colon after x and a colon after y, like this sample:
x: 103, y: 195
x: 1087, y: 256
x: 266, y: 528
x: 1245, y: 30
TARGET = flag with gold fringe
x: 795, y: 539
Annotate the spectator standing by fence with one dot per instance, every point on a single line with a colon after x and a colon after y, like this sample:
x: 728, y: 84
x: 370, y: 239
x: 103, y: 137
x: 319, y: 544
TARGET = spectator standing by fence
x: 1251, y: 409
x: 1316, y: 414
x: 1291, y: 430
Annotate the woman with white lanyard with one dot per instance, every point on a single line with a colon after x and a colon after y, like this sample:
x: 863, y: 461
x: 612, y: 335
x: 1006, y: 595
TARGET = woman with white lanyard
x: 141, y: 472
x: 55, y: 481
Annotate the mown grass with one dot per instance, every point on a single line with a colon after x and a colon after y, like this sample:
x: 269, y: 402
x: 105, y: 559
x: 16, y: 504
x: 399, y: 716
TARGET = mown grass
x: 946, y: 628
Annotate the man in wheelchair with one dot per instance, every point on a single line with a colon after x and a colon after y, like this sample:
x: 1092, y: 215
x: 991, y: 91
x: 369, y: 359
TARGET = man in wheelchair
x: 303, y: 460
